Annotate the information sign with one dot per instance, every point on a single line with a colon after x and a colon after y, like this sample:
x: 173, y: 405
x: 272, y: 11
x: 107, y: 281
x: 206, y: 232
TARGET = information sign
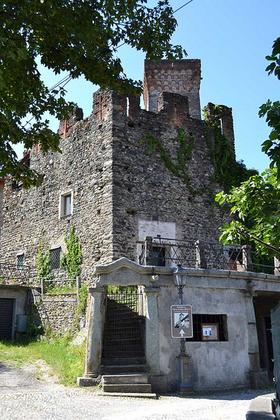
x: 181, y: 321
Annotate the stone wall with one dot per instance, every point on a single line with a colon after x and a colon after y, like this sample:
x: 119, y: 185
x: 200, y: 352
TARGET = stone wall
x: 56, y: 312
x: 85, y: 168
x: 115, y: 182
x: 144, y: 189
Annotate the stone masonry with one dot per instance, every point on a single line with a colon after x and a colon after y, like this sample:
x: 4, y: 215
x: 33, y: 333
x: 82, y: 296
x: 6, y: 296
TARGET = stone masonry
x: 115, y: 181
x: 56, y: 312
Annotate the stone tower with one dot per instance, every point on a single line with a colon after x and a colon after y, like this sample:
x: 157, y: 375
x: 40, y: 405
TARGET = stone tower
x: 113, y: 185
x: 181, y: 77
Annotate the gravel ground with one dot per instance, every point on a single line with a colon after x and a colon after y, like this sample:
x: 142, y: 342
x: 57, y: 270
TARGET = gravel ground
x: 23, y: 397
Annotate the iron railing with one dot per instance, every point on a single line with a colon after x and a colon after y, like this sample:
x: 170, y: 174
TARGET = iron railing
x: 159, y: 251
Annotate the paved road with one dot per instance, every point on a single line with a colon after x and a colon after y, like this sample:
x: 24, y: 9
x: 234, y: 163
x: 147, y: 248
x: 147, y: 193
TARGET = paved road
x: 23, y: 397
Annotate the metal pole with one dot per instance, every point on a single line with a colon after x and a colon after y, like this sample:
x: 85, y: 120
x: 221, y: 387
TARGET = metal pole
x: 182, y: 340
x: 185, y: 372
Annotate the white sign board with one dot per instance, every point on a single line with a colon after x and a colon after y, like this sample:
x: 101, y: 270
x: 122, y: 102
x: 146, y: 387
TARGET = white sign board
x: 181, y: 321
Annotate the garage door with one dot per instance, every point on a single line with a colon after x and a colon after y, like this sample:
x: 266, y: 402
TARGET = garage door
x: 6, y: 318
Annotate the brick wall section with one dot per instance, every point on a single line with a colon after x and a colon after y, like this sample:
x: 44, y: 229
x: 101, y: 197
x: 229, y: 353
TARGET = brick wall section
x: 182, y: 77
x: 66, y: 126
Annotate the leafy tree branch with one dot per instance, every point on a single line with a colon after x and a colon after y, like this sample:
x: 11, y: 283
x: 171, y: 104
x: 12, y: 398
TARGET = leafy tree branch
x: 255, y: 205
x: 78, y: 37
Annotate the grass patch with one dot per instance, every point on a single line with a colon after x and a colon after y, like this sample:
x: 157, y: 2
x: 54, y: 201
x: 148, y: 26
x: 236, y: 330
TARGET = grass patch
x: 60, y: 289
x: 66, y: 360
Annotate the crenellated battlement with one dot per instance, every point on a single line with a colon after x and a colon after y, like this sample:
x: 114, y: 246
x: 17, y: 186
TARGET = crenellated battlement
x: 181, y: 77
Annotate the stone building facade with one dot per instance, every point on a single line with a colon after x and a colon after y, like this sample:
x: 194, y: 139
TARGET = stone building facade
x: 112, y: 184
x: 136, y: 183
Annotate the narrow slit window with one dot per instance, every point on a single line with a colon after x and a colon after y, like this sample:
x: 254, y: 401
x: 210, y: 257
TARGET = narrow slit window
x: 20, y: 260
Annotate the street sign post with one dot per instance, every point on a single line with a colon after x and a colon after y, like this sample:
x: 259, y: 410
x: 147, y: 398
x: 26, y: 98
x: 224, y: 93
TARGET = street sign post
x: 181, y: 321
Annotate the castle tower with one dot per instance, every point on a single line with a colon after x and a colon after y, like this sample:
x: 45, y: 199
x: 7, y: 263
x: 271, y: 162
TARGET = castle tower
x: 181, y: 77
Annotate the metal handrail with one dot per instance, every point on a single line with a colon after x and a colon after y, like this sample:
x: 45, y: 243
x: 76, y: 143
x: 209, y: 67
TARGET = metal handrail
x: 201, y: 254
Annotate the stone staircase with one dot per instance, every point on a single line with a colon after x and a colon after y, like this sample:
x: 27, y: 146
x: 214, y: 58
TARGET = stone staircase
x: 124, y: 370
x: 126, y: 383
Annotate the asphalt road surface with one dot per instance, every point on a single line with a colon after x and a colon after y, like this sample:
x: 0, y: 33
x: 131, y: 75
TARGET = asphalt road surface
x: 23, y: 397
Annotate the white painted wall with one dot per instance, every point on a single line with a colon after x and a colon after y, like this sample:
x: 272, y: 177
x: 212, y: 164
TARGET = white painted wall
x: 154, y: 228
x: 216, y: 365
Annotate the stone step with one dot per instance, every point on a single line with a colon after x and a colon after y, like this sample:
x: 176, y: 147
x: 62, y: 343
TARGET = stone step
x: 131, y: 388
x: 132, y: 378
x: 116, y: 369
x: 122, y: 318
x: 130, y: 394
x: 120, y: 355
x: 125, y: 341
x: 123, y: 361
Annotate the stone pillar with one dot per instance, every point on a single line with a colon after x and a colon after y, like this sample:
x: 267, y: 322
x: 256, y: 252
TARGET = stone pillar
x: 94, y: 340
x: 200, y: 260
x: 246, y: 258
x: 276, y: 266
x: 152, y: 330
x: 257, y: 376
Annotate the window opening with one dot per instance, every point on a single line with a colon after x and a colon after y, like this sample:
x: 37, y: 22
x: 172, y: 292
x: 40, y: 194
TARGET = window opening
x: 66, y: 205
x: 55, y: 258
x: 127, y: 106
x: 209, y: 327
x: 20, y: 260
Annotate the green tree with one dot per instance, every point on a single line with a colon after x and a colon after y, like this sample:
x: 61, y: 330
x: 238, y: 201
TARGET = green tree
x: 271, y: 110
x: 256, y: 212
x: 76, y: 36
x: 72, y: 260
x: 255, y: 205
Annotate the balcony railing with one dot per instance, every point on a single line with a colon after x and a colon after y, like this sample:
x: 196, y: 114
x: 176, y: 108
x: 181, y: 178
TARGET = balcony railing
x: 161, y: 251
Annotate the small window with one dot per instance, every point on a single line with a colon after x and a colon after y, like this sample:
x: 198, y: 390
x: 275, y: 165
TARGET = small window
x: 66, y: 204
x: 209, y: 328
x: 55, y: 258
x: 20, y: 260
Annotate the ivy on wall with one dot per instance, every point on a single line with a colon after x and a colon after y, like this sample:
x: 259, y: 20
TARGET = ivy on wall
x: 73, y: 258
x: 42, y: 263
x: 177, y: 166
x: 227, y: 171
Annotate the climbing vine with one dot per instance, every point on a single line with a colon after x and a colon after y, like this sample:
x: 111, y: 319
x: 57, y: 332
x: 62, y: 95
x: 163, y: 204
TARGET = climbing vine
x: 72, y: 259
x: 177, y: 166
x: 42, y: 263
x: 227, y: 171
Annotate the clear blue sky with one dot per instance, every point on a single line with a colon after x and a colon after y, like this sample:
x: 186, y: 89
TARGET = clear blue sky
x: 232, y: 38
